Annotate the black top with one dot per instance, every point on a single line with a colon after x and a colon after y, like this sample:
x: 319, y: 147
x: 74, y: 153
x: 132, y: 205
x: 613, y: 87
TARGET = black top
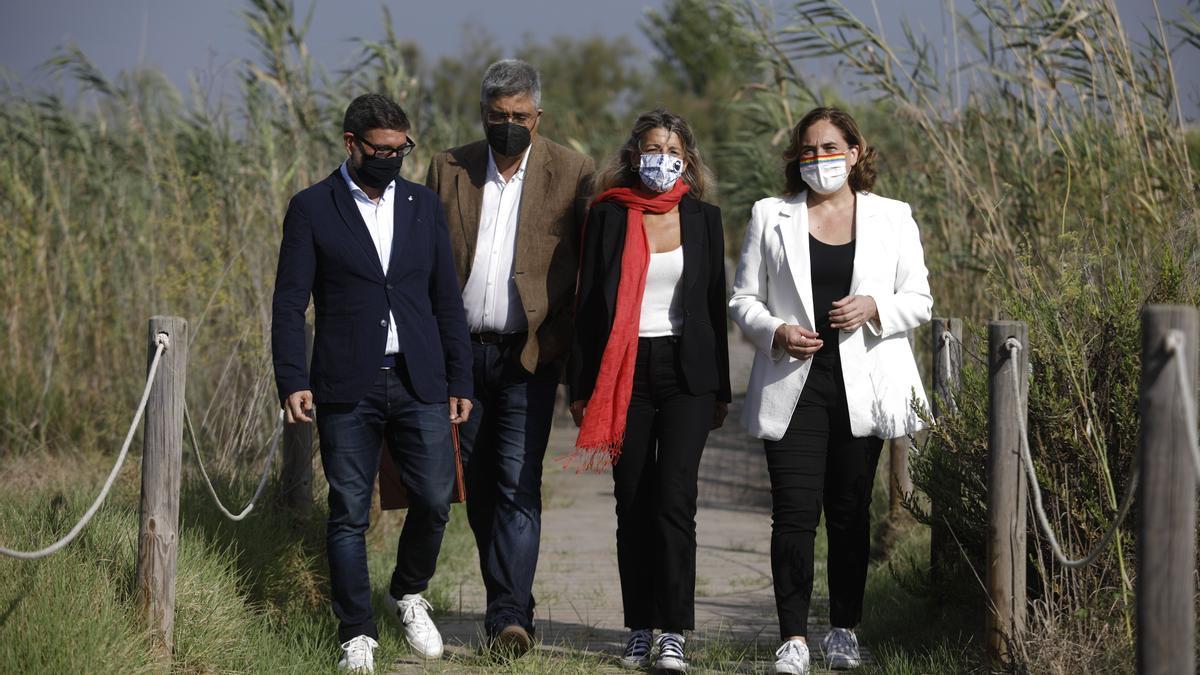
x: 832, y: 267
x: 703, y: 347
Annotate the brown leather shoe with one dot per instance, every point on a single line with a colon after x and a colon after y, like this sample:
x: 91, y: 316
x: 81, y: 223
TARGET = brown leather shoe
x: 512, y: 641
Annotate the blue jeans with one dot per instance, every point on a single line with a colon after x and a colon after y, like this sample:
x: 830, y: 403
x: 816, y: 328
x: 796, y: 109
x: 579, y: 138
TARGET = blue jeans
x: 352, y: 434
x: 503, y: 443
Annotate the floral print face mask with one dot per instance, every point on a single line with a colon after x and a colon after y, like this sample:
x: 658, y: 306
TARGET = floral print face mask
x: 660, y: 171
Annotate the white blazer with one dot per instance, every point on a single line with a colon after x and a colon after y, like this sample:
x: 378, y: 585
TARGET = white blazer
x: 773, y: 286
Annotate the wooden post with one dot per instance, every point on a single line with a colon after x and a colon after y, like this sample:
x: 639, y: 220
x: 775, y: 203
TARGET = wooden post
x: 946, y: 379
x: 162, y: 451
x: 1007, y: 500
x: 296, y: 476
x: 1166, y: 546
x: 900, y: 485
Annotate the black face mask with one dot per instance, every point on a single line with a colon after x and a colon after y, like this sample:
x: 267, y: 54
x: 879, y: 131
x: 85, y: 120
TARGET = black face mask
x: 508, y: 139
x: 376, y: 172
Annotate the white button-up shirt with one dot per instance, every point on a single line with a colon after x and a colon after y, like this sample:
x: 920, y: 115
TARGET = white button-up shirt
x: 379, y: 217
x: 491, y: 298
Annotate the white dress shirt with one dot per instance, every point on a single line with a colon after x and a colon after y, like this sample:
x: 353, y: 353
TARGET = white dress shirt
x: 379, y: 218
x: 490, y: 296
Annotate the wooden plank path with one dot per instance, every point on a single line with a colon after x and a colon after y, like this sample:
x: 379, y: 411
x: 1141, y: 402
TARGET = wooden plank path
x: 578, y: 588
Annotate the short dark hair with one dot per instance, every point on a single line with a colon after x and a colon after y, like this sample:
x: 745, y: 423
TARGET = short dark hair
x: 862, y: 175
x: 374, y: 111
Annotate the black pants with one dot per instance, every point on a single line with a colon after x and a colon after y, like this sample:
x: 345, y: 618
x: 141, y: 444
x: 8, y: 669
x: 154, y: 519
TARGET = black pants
x: 819, y: 463
x: 655, y: 487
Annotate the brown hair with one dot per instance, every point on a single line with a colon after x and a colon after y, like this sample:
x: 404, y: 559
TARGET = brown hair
x: 621, y: 171
x: 862, y: 174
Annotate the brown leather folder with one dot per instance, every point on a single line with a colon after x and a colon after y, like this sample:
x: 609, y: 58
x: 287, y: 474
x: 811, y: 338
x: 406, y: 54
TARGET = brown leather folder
x: 393, y: 494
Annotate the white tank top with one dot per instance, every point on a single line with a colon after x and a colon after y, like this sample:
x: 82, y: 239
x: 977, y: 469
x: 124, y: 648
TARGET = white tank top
x: 662, y: 306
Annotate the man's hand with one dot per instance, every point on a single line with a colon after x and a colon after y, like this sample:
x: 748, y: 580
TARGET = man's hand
x: 852, y: 311
x: 460, y: 409
x: 577, y: 408
x: 720, y: 410
x: 298, y: 405
x: 797, y: 341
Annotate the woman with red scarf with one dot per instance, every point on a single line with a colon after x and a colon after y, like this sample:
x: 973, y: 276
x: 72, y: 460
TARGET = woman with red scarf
x: 649, y: 371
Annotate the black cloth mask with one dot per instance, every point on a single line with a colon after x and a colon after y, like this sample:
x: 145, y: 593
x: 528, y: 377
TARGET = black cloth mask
x: 377, y: 172
x: 508, y: 139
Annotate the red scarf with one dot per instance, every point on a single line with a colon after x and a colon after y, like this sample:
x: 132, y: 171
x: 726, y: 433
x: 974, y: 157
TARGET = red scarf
x: 603, y: 429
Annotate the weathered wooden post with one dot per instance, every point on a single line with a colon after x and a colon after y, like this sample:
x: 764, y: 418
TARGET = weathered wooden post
x: 1166, y: 545
x: 296, y: 476
x: 947, y: 369
x: 1007, y: 498
x: 162, y: 450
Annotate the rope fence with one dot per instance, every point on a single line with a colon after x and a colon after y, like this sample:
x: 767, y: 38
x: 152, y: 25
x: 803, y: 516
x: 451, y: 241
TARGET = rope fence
x: 262, y: 481
x: 1014, y: 347
x: 163, y: 342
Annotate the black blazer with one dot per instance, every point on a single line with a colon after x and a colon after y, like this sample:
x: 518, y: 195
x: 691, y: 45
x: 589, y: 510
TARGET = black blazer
x: 703, y: 344
x: 327, y: 252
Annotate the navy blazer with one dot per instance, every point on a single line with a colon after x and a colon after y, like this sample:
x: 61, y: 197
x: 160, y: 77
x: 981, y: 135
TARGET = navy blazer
x: 327, y: 252
x: 703, y: 343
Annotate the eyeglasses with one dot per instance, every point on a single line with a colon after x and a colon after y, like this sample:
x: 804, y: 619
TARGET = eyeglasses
x: 386, y: 151
x: 497, y: 117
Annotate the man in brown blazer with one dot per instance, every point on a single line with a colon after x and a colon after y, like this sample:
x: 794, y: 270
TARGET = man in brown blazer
x: 515, y: 204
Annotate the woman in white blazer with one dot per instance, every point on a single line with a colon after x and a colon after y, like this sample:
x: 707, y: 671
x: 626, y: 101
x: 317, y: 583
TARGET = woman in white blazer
x: 831, y: 280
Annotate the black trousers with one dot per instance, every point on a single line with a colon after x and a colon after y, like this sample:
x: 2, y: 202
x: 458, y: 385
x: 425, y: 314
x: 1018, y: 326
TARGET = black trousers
x: 655, y: 486
x: 819, y: 463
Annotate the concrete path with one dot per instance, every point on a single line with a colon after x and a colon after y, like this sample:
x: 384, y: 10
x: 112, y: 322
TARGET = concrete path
x: 577, y: 585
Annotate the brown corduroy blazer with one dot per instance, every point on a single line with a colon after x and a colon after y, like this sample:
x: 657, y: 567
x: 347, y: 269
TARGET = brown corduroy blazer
x: 553, y: 207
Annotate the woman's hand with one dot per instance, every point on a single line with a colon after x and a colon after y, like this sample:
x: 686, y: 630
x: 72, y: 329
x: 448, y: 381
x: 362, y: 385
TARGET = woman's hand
x: 577, y: 408
x: 720, y: 410
x: 852, y: 311
x: 797, y: 341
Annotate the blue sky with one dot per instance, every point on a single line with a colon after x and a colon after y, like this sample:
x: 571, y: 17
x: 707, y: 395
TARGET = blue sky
x: 208, y: 38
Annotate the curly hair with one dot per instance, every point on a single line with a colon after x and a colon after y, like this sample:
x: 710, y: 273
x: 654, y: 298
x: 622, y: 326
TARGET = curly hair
x: 862, y: 174
x: 622, y: 172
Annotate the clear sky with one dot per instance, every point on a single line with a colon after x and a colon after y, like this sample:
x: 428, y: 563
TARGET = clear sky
x: 208, y: 37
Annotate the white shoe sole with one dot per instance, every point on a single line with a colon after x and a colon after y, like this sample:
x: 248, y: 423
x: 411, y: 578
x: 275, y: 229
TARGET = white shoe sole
x: 635, y: 664
x: 671, y: 665
x: 842, y: 663
x: 789, y: 669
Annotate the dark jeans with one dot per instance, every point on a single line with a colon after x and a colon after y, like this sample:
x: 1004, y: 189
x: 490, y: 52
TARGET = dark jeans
x: 351, y: 437
x: 655, y: 487
x: 818, y: 462
x: 503, y: 444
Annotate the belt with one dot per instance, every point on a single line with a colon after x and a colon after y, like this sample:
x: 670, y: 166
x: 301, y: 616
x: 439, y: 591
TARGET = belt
x: 390, y: 361
x: 493, y: 338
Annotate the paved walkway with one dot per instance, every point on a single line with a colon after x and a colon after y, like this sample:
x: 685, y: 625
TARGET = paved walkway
x: 577, y: 586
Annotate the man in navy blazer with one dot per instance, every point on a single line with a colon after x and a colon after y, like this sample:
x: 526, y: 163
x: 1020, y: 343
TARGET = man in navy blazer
x: 391, y: 351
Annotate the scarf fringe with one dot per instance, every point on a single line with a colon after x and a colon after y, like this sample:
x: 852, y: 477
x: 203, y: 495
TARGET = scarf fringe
x: 593, y: 459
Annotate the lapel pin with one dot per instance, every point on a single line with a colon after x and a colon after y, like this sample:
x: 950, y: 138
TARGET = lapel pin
x: 410, y: 198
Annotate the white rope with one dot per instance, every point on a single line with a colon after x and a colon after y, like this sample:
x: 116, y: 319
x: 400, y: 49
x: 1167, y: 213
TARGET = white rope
x: 1174, y: 344
x: 163, y: 342
x: 1014, y: 347
x: 262, y: 481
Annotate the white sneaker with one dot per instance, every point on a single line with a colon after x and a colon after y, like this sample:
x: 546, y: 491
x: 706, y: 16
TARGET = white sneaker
x: 358, y: 655
x: 419, y: 631
x: 637, y: 650
x: 841, y: 649
x: 792, y: 658
x: 670, y: 653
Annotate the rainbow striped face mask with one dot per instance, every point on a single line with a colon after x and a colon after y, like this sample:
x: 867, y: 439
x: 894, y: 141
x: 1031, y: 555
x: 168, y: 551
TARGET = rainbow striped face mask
x: 825, y: 173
